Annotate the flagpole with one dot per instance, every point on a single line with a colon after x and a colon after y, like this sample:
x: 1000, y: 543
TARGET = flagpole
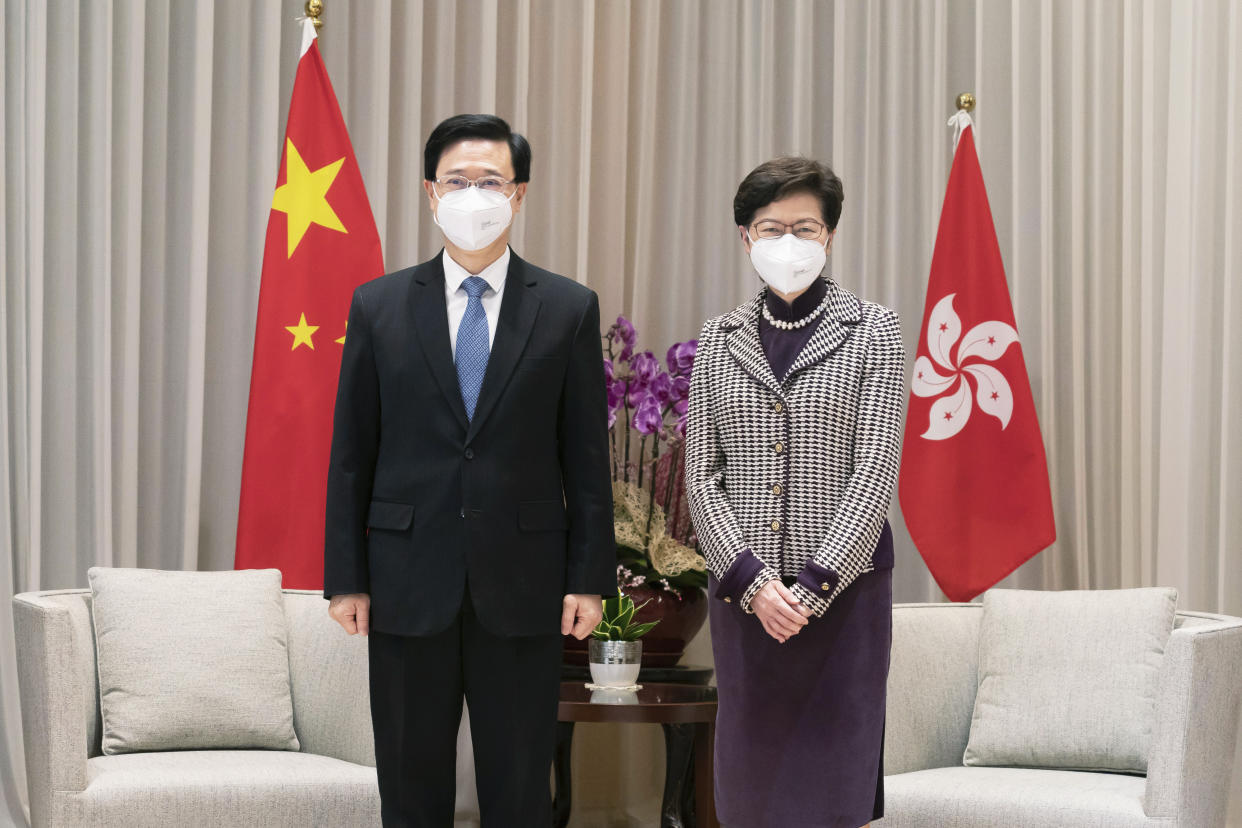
x: 314, y: 9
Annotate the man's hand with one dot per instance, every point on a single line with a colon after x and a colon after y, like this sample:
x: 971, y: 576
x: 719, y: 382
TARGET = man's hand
x: 779, y: 610
x: 352, y: 611
x: 580, y: 614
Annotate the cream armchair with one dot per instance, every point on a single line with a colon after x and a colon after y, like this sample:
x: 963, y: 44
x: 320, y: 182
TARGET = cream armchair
x: 931, y: 696
x: 330, y: 782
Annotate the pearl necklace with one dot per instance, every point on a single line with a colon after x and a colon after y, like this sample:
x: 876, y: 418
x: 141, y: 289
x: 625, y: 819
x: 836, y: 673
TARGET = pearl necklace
x: 793, y: 326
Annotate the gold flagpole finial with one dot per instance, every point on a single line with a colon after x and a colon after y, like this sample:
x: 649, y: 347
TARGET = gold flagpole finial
x: 965, y: 101
x: 314, y: 10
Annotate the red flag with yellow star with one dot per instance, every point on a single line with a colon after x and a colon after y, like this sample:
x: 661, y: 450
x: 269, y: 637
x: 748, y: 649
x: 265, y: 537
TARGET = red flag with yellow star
x: 321, y: 244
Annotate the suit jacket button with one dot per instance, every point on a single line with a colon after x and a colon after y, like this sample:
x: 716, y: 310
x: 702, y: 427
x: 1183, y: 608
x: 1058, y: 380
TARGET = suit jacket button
x: 825, y: 586
x: 469, y: 454
x: 776, y: 526
x: 779, y: 447
x: 777, y: 407
x: 776, y: 489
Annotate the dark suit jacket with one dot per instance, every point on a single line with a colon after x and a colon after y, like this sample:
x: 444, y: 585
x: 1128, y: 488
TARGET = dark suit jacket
x: 517, y: 503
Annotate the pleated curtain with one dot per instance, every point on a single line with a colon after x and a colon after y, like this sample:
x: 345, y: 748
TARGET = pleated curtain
x: 141, y: 141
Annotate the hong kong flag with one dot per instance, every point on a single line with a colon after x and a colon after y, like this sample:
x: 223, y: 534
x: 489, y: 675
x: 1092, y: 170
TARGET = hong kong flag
x: 974, y: 481
x: 321, y: 244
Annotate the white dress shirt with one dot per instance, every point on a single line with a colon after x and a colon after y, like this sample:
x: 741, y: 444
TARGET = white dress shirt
x: 456, y: 296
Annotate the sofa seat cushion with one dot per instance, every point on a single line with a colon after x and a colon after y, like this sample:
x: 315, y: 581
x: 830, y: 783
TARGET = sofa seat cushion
x: 970, y: 797
x: 223, y: 788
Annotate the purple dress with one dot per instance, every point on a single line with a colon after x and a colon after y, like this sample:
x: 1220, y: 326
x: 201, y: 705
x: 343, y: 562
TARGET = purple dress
x: 800, y: 726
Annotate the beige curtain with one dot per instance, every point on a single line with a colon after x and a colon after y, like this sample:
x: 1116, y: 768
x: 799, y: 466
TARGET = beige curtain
x: 140, y: 149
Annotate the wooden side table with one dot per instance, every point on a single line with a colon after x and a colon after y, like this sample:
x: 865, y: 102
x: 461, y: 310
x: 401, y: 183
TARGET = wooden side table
x: 687, y: 714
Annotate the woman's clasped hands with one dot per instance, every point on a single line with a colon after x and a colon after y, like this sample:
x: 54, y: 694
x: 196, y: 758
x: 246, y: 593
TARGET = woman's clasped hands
x: 783, y: 616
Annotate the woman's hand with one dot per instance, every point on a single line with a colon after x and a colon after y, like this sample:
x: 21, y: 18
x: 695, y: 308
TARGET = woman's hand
x: 782, y: 615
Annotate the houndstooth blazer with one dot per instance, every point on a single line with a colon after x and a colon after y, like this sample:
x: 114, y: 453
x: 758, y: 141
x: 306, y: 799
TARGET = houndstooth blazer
x: 793, y: 477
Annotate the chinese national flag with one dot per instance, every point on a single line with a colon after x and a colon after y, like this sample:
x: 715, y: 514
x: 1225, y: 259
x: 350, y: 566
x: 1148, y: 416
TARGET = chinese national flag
x: 321, y: 244
x: 974, y: 482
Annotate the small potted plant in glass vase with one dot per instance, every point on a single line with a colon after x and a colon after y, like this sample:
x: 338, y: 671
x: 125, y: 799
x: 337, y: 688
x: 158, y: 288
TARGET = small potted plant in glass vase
x: 616, y: 648
x: 658, y: 562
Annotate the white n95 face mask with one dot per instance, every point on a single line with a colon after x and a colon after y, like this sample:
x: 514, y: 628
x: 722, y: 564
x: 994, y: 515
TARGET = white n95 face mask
x: 788, y: 264
x: 473, y: 218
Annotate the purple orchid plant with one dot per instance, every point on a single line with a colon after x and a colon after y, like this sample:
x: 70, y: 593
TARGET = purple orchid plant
x: 647, y: 404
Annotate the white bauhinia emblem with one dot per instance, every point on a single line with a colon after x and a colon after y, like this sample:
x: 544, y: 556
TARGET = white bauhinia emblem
x: 983, y: 343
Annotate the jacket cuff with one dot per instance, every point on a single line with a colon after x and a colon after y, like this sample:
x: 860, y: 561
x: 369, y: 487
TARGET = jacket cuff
x: 348, y: 589
x: 602, y: 585
x: 739, y: 577
x: 817, y: 586
x: 817, y: 604
x: 761, y: 580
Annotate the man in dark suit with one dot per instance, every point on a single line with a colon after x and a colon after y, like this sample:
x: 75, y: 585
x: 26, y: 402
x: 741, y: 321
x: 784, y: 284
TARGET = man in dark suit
x: 469, y: 515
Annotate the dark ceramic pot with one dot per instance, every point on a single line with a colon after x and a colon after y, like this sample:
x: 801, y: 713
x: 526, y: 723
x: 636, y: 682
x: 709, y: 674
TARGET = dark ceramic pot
x: 680, y: 619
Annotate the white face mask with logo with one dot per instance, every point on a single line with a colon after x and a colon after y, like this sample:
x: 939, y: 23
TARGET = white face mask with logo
x: 788, y: 264
x: 473, y: 218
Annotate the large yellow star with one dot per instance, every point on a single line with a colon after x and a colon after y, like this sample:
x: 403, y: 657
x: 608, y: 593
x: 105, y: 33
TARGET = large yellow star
x: 302, y: 333
x: 303, y: 196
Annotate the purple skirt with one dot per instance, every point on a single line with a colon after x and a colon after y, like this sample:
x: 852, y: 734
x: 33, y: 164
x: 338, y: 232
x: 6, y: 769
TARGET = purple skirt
x: 800, y: 725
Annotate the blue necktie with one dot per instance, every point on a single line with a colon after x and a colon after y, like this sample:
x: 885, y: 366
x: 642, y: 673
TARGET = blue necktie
x: 472, y: 344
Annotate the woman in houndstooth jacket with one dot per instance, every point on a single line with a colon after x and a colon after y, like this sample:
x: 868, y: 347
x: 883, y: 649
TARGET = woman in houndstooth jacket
x: 792, y: 449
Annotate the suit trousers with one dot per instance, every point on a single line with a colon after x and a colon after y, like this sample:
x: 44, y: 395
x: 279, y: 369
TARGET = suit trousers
x: 511, y: 685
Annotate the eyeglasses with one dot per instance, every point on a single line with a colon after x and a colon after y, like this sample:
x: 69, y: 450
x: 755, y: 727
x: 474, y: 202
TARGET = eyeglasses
x: 490, y: 183
x: 773, y: 229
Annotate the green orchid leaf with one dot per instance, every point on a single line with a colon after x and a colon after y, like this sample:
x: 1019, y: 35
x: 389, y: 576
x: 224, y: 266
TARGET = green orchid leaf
x: 612, y: 607
x: 637, y: 631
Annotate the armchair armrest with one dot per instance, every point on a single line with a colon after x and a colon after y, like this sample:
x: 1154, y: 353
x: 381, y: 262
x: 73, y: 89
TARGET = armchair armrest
x: 932, y: 682
x: 53, y: 695
x: 1196, y: 728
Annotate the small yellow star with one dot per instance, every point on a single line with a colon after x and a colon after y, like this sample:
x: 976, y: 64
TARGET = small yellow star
x: 302, y: 333
x: 303, y: 196
x: 341, y: 341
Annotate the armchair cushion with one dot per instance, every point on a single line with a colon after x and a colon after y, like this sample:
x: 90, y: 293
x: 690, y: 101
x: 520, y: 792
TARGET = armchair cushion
x: 191, y: 660
x: 1069, y: 679
x: 224, y: 788
x: 1013, y: 797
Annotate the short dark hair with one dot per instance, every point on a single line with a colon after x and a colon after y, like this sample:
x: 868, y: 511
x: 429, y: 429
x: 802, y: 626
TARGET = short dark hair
x: 486, y: 127
x: 784, y: 176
